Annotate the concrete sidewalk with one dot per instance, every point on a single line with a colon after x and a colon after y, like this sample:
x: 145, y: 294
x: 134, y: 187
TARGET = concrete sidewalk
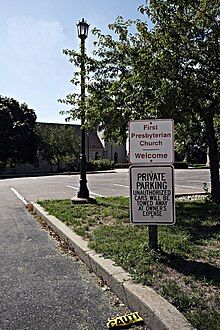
x: 158, y: 314
x: 41, y: 288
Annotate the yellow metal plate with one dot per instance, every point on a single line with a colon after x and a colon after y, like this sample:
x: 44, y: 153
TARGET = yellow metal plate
x: 124, y: 320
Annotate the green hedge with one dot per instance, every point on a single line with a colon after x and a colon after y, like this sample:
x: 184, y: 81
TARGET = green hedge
x: 176, y: 165
x: 180, y: 165
x: 121, y: 165
x: 100, y: 165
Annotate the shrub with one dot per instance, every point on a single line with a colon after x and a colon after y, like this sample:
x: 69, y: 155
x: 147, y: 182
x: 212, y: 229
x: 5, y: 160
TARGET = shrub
x: 121, y: 165
x: 180, y: 165
x: 73, y: 167
x: 100, y: 165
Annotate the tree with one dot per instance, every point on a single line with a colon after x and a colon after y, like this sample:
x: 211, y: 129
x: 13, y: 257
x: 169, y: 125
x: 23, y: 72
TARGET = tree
x: 106, y: 85
x: 18, y: 141
x: 59, y: 143
x: 190, y: 142
x: 188, y: 43
x: 169, y: 71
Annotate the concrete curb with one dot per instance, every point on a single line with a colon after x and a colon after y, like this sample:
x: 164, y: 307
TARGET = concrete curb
x: 158, y: 313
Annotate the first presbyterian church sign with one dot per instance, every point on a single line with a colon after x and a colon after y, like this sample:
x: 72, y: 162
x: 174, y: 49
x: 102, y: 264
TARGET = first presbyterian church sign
x: 151, y: 141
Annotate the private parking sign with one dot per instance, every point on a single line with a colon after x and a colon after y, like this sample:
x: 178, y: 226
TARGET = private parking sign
x: 152, y: 195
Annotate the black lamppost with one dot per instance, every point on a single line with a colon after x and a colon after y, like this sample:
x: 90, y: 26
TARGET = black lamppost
x: 87, y: 146
x: 82, y: 29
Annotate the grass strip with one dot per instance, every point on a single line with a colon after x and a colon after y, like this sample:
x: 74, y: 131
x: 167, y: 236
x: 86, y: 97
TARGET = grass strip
x: 186, y: 268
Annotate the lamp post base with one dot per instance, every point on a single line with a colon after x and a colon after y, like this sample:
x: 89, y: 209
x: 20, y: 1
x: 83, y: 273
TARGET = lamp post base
x: 78, y: 200
x: 83, y: 189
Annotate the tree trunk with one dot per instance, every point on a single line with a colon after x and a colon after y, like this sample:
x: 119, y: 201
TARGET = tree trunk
x: 213, y: 157
x: 58, y: 166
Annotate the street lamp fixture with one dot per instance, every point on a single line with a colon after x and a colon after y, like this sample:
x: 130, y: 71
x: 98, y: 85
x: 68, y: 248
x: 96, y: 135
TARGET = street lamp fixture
x: 83, y: 193
x: 82, y: 29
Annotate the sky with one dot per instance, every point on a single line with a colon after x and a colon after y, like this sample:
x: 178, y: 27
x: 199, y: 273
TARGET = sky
x: 33, y: 34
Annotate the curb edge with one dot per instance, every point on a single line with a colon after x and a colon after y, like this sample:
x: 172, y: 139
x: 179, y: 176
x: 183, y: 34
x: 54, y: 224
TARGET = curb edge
x: 157, y: 312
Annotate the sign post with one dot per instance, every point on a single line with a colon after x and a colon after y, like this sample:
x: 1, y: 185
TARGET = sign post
x: 151, y: 150
x: 153, y: 237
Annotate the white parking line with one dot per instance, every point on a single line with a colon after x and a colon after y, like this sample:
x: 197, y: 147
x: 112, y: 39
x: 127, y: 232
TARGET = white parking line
x: 26, y: 178
x: 198, y: 181
x: 19, y: 196
x: 92, y: 193
x: 179, y: 185
x: 120, y: 185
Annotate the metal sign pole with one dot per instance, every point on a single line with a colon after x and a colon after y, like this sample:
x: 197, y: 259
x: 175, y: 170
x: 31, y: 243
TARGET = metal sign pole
x: 153, y: 237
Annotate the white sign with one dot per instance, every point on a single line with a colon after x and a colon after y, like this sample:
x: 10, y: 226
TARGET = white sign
x: 151, y: 141
x: 152, y: 200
